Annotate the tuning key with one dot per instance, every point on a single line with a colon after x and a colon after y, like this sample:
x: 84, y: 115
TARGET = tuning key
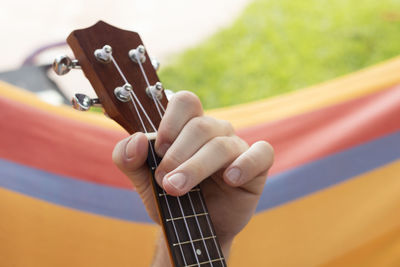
x: 82, y: 102
x: 155, y: 63
x: 63, y: 64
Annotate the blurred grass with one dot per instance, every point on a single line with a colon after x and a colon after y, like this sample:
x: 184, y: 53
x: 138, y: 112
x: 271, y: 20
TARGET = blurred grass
x: 278, y: 46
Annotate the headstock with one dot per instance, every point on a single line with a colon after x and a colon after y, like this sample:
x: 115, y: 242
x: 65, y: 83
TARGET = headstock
x: 122, y: 74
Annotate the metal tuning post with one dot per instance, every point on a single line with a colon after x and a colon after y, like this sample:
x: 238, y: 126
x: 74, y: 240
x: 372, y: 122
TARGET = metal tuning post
x: 63, y: 64
x: 155, y: 91
x: 123, y: 92
x: 138, y: 53
x: 155, y: 63
x: 82, y: 102
x: 104, y: 54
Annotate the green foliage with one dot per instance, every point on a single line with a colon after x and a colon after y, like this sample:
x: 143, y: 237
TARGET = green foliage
x: 278, y: 46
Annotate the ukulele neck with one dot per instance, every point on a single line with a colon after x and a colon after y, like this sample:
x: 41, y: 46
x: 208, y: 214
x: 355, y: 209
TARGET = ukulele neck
x: 187, y: 225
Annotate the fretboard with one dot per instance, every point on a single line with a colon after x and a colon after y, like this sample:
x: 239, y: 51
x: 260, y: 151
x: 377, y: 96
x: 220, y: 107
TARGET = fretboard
x: 187, y: 225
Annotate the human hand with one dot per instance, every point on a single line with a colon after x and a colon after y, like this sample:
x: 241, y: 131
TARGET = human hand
x: 195, y: 147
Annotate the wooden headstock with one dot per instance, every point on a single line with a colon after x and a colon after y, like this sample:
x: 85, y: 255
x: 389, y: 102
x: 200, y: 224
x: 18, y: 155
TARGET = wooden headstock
x: 105, y: 77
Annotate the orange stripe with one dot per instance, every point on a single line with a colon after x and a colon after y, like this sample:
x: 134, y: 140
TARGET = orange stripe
x: 381, y: 251
x: 36, y: 233
x: 320, y: 227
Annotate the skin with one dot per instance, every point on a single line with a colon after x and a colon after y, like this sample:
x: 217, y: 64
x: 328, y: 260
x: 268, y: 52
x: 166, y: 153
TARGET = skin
x: 195, y: 147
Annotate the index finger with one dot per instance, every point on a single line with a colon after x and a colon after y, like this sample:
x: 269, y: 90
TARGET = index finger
x: 183, y: 106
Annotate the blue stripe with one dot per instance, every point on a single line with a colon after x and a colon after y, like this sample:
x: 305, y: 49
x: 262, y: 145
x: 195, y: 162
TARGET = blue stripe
x: 126, y: 205
x: 320, y: 174
x: 77, y: 194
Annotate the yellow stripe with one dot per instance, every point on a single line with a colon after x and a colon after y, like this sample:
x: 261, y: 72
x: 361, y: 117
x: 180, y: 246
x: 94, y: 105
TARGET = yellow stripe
x: 36, y: 233
x: 349, y: 87
x: 323, y: 226
x: 27, y: 98
x: 330, y: 226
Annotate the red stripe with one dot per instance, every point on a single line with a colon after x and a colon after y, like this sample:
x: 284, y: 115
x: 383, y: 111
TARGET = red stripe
x: 307, y: 137
x: 59, y: 145
x: 49, y: 142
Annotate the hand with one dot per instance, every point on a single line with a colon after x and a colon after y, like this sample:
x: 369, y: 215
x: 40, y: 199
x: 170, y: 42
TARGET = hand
x: 195, y: 147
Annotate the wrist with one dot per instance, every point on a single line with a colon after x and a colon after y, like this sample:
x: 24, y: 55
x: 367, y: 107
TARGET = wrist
x: 161, y: 254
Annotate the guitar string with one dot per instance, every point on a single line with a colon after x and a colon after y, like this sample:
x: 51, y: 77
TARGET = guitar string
x: 151, y: 148
x: 178, y: 198
x: 201, y: 233
x: 148, y: 86
x: 133, y: 93
x: 212, y: 232
x: 201, y: 200
x: 189, y: 196
x: 191, y: 203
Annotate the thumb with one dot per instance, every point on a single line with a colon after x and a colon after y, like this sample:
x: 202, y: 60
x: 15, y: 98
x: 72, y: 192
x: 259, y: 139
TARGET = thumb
x: 130, y: 156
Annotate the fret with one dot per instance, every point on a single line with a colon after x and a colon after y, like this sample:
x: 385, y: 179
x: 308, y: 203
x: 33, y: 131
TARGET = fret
x: 186, y: 217
x: 193, y: 190
x: 205, y: 262
x: 203, y: 252
x: 195, y: 240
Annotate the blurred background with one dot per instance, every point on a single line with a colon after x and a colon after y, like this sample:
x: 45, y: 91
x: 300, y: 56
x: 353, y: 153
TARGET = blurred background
x: 228, y: 52
x: 318, y: 79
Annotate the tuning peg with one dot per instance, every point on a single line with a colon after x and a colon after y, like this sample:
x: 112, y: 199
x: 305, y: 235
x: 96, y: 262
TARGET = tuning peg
x: 155, y: 63
x: 63, y: 64
x: 82, y: 102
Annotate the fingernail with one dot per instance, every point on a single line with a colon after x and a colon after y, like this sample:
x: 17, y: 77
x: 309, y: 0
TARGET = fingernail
x: 163, y: 149
x: 178, y: 181
x: 130, y: 148
x: 233, y: 175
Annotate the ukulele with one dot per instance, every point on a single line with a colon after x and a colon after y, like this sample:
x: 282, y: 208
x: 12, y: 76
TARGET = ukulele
x: 121, y: 72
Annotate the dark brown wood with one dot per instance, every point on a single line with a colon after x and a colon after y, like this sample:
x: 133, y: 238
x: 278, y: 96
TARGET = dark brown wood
x: 186, y: 223
x: 105, y: 77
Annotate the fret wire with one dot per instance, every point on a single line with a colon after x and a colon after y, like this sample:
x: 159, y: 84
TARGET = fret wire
x: 187, y: 216
x: 194, y: 240
x: 187, y: 228
x: 211, y: 229
x: 204, y: 262
x: 193, y: 190
x: 168, y: 207
x: 198, y: 225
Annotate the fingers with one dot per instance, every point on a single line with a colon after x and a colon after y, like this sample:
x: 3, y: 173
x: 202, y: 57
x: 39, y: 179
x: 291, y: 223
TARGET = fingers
x: 197, y: 132
x: 130, y: 155
x: 249, y: 170
x: 214, y: 155
x: 182, y: 107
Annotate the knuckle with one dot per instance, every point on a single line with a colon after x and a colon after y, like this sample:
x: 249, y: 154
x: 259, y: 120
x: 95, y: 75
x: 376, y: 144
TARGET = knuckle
x: 171, y: 161
x: 196, y: 173
x: 187, y: 98
x: 227, y: 126
x: 201, y: 125
x: 221, y: 145
x: 164, y: 134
